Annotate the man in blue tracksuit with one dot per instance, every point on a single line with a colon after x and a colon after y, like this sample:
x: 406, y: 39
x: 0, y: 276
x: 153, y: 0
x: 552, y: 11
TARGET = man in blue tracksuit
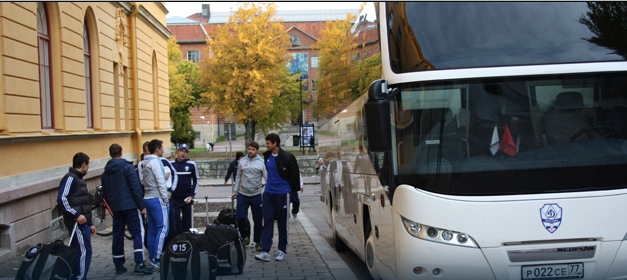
x: 124, y: 195
x: 251, y: 171
x: 170, y: 182
x: 75, y: 201
x: 283, y: 177
x: 156, y: 200
x: 183, y: 195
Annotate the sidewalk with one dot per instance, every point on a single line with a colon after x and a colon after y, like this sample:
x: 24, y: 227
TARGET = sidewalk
x: 307, y: 180
x: 309, y: 254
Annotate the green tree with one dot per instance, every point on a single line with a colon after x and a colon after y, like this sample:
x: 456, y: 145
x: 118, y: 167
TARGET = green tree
x: 184, y: 90
x: 247, y: 76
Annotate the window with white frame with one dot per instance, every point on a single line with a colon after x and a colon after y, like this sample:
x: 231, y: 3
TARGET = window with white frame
x: 314, y: 61
x: 193, y: 55
x: 43, y: 45
x: 314, y: 85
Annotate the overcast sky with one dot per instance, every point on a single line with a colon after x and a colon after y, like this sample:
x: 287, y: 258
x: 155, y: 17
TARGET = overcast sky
x: 185, y: 9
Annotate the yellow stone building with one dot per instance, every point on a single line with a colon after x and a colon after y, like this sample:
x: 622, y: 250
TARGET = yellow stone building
x: 74, y: 77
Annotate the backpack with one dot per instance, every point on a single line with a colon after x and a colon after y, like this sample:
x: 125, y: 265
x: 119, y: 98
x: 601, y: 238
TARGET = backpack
x: 49, y: 261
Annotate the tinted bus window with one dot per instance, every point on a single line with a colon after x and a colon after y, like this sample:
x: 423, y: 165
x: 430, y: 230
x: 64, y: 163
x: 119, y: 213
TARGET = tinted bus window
x: 446, y: 35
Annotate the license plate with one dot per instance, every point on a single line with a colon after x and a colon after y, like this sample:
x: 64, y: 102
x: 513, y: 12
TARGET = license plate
x: 553, y: 271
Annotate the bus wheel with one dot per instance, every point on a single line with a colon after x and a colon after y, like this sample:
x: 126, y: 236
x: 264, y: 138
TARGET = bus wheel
x: 338, y: 242
x: 370, y: 257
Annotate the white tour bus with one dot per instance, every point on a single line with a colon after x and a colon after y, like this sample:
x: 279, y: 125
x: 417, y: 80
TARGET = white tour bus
x: 493, y: 147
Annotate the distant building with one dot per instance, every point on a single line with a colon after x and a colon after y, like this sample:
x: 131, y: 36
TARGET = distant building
x: 304, y: 28
x: 75, y: 77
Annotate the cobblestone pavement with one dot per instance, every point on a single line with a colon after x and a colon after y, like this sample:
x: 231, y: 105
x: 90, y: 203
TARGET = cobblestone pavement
x: 309, y: 257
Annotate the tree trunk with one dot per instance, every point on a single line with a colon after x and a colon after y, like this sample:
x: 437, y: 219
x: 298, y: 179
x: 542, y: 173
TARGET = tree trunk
x: 249, y: 135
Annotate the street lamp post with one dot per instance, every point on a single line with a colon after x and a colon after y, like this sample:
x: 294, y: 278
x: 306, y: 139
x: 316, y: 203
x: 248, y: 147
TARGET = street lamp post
x: 202, y: 129
x: 300, y: 90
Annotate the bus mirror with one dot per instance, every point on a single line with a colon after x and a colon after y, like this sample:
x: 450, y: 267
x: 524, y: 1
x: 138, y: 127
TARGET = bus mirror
x: 378, y: 117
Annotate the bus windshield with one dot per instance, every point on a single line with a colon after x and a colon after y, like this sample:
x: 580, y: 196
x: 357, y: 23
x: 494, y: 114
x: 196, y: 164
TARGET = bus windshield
x: 521, y: 135
x: 447, y: 35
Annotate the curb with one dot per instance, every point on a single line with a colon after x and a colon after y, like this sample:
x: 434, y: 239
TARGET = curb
x: 339, y: 269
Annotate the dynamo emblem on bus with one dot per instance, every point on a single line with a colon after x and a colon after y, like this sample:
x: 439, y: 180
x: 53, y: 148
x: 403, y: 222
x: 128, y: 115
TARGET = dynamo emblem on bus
x: 551, y: 215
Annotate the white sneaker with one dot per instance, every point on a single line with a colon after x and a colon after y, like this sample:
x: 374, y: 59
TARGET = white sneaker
x: 280, y: 256
x: 264, y: 256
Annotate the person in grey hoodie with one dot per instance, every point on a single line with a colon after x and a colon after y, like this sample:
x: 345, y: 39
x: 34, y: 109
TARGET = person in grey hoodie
x: 156, y: 200
x: 247, y: 189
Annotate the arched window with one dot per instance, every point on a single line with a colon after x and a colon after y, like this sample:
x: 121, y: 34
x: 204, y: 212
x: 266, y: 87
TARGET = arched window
x: 88, y: 87
x: 45, y: 78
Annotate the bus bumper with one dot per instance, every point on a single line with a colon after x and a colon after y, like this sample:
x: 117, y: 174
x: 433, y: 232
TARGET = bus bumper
x: 438, y: 261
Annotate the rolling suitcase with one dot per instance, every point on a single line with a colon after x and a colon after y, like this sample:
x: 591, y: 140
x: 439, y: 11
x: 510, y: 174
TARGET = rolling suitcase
x: 226, y: 246
x: 49, y: 261
x: 187, y: 257
x: 227, y: 217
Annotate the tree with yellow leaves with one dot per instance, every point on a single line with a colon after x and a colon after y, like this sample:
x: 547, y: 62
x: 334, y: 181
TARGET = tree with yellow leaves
x: 335, y: 65
x: 183, y: 81
x: 247, y: 76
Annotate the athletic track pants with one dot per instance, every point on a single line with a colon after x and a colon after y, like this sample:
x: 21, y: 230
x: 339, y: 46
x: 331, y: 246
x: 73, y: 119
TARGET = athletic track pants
x: 278, y: 203
x: 241, y: 214
x: 82, y: 243
x: 132, y: 219
x: 157, y: 226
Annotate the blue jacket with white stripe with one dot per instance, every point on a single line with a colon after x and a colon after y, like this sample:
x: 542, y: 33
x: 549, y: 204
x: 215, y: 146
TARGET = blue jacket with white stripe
x: 187, y: 178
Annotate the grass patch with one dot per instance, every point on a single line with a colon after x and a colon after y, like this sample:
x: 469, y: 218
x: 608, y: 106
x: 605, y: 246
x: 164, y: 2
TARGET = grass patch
x: 326, y: 133
x: 221, y: 138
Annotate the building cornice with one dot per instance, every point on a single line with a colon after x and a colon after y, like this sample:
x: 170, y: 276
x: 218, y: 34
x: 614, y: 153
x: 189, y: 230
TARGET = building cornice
x: 162, y: 7
x: 147, y: 17
x: 8, y: 140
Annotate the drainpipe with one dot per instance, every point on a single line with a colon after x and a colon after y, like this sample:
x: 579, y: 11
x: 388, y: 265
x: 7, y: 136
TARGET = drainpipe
x: 135, y: 82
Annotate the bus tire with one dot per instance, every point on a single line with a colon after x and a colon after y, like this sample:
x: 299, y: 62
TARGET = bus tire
x: 370, y: 257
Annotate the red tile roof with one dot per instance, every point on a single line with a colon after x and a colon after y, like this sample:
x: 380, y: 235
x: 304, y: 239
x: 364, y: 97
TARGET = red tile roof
x: 187, y: 32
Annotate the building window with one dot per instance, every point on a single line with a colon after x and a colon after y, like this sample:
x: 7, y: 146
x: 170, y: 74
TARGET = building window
x: 88, y: 88
x: 193, y: 55
x: 314, y: 85
x: 314, y: 61
x: 43, y: 45
x: 197, y: 135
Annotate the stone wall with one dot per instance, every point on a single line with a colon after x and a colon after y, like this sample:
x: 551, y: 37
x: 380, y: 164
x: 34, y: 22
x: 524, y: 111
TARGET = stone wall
x: 217, y: 168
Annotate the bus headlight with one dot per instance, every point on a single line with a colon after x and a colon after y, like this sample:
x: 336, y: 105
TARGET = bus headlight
x: 439, y: 235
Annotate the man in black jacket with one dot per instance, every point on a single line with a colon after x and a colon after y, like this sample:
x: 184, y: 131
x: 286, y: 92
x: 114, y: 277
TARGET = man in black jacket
x: 283, y: 177
x: 75, y: 201
x: 123, y: 193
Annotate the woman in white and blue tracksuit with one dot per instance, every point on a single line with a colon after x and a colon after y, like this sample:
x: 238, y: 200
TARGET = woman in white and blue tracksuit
x: 248, y: 185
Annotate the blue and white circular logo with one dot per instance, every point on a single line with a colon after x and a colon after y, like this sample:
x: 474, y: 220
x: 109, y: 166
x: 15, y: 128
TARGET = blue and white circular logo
x: 33, y: 250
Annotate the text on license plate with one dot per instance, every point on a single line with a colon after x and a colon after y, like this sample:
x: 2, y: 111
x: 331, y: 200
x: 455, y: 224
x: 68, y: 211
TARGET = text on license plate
x: 553, y: 271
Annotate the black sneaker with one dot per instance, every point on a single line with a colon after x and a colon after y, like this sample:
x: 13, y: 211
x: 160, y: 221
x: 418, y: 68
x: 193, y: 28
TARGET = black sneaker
x: 120, y: 270
x: 142, y: 268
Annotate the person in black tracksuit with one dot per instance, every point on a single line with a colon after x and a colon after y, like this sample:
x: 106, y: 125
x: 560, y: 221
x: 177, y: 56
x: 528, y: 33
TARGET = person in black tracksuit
x: 187, y: 186
x: 124, y: 194
x: 75, y: 201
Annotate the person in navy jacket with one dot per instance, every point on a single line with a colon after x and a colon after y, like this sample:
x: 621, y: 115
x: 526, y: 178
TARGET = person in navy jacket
x: 124, y: 194
x: 186, y: 188
x: 233, y: 167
